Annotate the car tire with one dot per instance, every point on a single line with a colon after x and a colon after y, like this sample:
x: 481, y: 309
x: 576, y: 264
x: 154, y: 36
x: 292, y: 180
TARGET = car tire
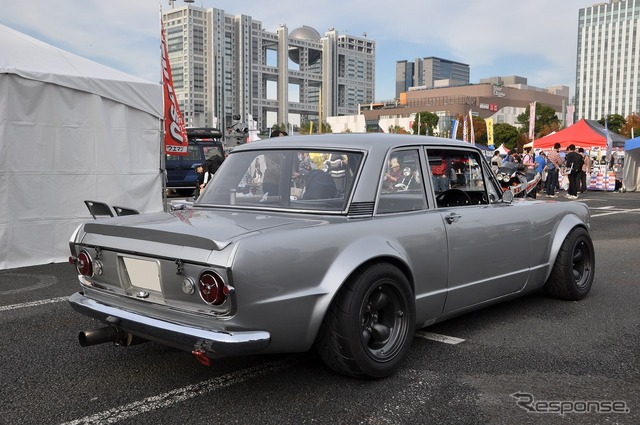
x: 574, y: 269
x: 368, y: 329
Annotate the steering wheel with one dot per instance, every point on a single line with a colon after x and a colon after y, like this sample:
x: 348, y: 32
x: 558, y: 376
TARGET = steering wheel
x: 453, y: 198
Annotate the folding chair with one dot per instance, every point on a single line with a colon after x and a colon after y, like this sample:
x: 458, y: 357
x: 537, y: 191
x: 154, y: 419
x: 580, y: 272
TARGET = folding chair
x: 98, y: 209
x: 125, y: 211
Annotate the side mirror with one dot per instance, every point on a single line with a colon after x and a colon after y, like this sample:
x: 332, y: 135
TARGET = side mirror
x: 507, y: 196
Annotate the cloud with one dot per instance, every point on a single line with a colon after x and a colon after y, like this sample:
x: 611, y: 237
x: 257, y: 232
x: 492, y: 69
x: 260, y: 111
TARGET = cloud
x: 533, y: 39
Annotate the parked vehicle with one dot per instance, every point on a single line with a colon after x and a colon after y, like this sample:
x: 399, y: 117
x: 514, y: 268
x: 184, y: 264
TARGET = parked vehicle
x: 181, y: 169
x: 283, y: 264
x: 518, y: 179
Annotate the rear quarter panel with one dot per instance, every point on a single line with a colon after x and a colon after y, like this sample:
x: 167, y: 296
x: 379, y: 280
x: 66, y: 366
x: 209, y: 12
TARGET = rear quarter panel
x: 286, y: 280
x: 551, y: 222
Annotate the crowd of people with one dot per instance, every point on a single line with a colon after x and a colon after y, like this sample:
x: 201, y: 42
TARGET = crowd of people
x: 575, y: 166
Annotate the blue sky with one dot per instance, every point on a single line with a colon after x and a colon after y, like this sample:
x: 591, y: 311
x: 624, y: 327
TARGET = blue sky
x: 532, y: 39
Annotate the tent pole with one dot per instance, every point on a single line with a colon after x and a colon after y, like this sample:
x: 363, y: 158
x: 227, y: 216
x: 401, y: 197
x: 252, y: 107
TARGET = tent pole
x: 163, y: 171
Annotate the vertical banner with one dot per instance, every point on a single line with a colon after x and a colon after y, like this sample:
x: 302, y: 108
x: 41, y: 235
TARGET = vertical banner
x: 175, y: 134
x: 532, y: 119
x: 489, y: 122
x: 464, y: 129
x: 609, y: 140
x: 472, y: 131
x: 454, y: 128
x: 570, y: 111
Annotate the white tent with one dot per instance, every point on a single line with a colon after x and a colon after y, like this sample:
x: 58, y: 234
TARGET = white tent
x: 503, y: 150
x: 631, y: 169
x: 70, y: 130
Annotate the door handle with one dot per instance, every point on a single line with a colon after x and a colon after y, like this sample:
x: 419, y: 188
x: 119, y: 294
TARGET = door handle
x: 452, y: 218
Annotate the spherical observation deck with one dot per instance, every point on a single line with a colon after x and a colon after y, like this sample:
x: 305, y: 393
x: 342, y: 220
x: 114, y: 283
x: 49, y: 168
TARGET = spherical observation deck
x: 304, y: 33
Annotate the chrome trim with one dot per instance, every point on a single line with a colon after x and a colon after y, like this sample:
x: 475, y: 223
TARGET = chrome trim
x: 213, y: 343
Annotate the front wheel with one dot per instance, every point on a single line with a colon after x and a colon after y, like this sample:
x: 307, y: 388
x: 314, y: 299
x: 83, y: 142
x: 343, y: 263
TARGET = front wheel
x: 574, y: 269
x: 368, y: 330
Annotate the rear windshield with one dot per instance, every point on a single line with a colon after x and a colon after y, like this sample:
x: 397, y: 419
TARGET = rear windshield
x: 284, y: 179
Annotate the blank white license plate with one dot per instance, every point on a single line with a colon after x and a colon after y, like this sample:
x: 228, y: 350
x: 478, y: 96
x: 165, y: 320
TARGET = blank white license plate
x: 143, y: 273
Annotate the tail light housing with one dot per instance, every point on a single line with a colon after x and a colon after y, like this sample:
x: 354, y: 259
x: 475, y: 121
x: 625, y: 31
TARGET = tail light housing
x: 84, y: 264
x: 212, y: 288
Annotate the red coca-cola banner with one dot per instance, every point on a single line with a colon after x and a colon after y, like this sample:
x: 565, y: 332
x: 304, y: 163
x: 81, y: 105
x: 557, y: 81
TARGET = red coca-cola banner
x: 175, y: 134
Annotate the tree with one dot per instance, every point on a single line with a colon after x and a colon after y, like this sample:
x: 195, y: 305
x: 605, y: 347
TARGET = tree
x: 505, y: 134
x: 480, y: 130
x: 546, y: 121
x: 428, y: 121
x: 632, y: 123
x: 522, y: 140
x: 306, y: 127
x: 397, y: 129
x: 281, y: 127
x: 547, y: 129
x: 615, y: 122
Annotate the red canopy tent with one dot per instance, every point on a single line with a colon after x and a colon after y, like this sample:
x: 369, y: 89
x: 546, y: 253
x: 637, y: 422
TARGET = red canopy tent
x: 584, y: 133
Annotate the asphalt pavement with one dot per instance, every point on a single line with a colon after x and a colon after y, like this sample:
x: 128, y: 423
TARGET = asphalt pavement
x: 533, y: 360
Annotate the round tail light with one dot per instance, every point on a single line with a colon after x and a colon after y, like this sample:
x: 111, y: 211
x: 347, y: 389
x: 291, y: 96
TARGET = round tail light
x: 84, y: 264
x: 212, y: 288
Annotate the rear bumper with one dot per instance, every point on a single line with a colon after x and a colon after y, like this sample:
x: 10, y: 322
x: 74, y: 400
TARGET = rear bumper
x: 212, y: 343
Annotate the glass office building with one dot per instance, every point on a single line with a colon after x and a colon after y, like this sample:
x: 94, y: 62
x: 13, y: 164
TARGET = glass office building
x: 608, y: 60
x: 428, y: 72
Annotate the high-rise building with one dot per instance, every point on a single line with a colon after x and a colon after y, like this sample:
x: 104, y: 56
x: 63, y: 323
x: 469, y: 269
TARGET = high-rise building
x: 404, y: 76
x: 608, y: 60
x: 226, y: 66
x: 430, y: 72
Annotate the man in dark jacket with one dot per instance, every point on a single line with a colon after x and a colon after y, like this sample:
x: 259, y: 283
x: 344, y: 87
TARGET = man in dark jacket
x: 199, y: 181
x: 574, y: 163
x: 211, y: 165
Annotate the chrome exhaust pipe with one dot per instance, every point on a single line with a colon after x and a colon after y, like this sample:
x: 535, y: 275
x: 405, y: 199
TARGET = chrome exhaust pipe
x: 108, y: 334
x: 98, y: 336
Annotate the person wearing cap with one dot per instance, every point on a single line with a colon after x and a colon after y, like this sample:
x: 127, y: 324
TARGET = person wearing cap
x: 393, y: 174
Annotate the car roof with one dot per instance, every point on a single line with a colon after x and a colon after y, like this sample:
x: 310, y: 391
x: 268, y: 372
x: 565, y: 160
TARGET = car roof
x: 372, y: 142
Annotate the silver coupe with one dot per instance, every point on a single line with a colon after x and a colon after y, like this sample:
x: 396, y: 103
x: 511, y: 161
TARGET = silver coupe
x: 346, y: 243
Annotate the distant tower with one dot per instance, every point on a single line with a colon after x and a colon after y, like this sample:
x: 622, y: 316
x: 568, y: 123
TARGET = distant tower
x: 607, y: 70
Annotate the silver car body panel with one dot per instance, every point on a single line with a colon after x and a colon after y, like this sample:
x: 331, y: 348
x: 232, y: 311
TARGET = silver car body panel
x: 285, y: 267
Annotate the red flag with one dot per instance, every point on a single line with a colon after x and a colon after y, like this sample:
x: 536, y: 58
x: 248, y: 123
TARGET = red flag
x: 175, y: 134
x: 472, y: 132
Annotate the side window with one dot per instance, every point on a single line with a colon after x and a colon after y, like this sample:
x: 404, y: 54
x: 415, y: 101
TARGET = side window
x: 494, y: 190
x: 212, y: 150
x: 286, y: 179
x: 402, y: 185
x: 193, y: 153
x: 457, y: 177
